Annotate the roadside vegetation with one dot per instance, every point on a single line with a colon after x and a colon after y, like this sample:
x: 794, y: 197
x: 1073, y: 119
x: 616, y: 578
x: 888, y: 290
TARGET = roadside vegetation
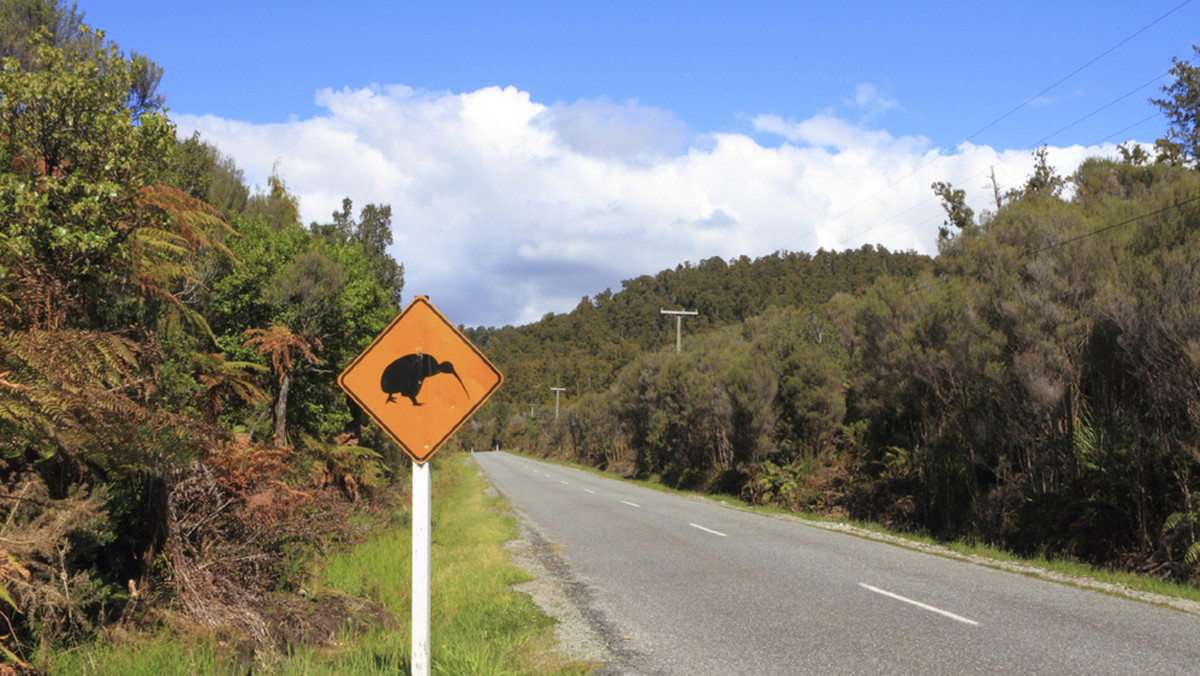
x: 360, y: 600
x: 175, y: 454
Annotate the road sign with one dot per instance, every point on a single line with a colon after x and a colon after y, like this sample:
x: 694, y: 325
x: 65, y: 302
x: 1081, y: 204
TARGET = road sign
x: 420, y: 380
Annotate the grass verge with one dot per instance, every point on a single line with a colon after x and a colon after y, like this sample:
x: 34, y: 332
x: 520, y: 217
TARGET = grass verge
x: 479, y: 624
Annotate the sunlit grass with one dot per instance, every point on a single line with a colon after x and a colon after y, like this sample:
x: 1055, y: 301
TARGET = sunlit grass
x: 162, y: 654
x: 479, y: 624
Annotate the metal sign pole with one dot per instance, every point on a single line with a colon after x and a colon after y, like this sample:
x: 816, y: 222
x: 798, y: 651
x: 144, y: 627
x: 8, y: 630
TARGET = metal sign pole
x: 422, y: 518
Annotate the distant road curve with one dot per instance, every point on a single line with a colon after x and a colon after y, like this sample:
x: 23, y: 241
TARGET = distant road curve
x: 682, y: 586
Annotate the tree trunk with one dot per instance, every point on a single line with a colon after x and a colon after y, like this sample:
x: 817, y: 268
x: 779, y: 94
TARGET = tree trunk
x: 281, y: 411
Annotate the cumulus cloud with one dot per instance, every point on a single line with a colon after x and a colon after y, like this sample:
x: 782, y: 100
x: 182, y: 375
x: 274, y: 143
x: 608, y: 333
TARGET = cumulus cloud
x: 505, y: 209
x: 628, y: 131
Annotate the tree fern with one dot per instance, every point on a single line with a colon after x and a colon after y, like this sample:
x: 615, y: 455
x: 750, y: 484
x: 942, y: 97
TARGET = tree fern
x: 76, y: 393
x: 1183, y: 525
x: 278, y: 341
x: 222, y: 379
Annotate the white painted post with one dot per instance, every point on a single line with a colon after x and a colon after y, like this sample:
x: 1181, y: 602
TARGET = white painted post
x: 679, y: 315
x: 557, y: 391
x: 422, y: 518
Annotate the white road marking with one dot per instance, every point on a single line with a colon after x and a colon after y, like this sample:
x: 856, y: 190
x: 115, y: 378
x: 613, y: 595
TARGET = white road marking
x: 631, y: 504
x: 918, y: 604
x: 708, y: 530
x: 590, y: 491
x: 565, y: 483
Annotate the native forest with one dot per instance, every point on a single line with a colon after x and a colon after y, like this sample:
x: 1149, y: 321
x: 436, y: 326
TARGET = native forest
x: 173, y: 438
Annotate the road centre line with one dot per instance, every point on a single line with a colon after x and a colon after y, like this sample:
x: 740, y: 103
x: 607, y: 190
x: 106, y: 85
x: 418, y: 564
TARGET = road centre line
x: 918, y: 604
x: 708, y: 530
x: 631, y: 504
x: 590, y: 491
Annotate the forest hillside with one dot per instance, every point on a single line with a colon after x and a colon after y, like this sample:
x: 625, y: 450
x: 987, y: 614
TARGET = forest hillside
x: 583, y: 350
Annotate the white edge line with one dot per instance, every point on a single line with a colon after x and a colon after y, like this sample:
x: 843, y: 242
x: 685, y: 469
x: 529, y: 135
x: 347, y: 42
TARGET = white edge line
x: 631, y: 504
x: 708, y: 530
x: 918, y: 604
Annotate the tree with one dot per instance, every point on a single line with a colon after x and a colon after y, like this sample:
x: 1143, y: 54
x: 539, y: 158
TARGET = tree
x: 341, y: 226
x: 203, y: 172
x: 23, y: 23
x: 308, y: 291
x: 1181, y: 106
x: 279, y: 342
x: 72, y: 197
x: 372, y: 232
x: 954, y: 201
x: 223, y: 379
x: 374, y: 235
x: 99, y: 268
x: 1043, y: 181
x: 22, y: 20
x: 278, y: 205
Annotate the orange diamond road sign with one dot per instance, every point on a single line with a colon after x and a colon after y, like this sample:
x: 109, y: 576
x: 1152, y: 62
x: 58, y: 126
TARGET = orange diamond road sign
x: 420, y: 380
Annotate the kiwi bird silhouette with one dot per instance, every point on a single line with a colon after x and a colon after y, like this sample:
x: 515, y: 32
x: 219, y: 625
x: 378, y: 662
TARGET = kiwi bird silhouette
x: 406, y: 375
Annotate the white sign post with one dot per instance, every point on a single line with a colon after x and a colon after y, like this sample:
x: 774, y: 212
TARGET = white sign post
x: 422, y: 518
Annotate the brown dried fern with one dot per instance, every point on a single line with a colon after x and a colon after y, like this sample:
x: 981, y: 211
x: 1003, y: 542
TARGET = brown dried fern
x: 278, y: 341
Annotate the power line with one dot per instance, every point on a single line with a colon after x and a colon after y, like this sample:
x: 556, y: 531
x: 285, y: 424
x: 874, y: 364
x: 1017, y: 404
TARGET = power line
x: 1120, y: 98
x: 1007, y: 159
x: 1114, y: 226
x: 1140, y: 122
x: 1002, y: 161
x: 1075, y: 72
x: 1093, y: 233
x: 937, y: 157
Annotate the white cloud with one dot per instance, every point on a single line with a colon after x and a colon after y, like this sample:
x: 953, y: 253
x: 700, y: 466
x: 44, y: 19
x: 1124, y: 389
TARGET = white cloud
x: 629, y: 131
x: 506, y: 209
x: 868, y: 98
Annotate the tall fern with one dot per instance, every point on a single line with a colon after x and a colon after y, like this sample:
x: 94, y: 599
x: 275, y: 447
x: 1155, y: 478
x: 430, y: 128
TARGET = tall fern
x: 1183, y: 525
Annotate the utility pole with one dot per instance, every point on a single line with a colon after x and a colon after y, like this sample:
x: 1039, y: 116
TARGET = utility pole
x: 679, y: 315
x: 557, y: 390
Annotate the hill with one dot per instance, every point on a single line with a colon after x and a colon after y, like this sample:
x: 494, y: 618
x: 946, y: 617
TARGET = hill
x: 584, y: 349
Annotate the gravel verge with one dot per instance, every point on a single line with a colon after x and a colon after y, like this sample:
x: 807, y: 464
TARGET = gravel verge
x: 550, y: 589
x: 582, y: 632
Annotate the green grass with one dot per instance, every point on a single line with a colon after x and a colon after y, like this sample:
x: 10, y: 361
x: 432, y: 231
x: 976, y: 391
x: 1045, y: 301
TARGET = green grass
x: 1142, y: 583
x: 162, y: 654
x: 479, y: 624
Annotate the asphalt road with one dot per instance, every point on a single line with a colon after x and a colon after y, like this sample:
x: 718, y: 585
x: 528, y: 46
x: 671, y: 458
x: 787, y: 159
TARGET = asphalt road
x: 681, y: 586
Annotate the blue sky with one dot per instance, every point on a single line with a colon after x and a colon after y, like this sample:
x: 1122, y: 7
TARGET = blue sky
x: 538, y: 152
